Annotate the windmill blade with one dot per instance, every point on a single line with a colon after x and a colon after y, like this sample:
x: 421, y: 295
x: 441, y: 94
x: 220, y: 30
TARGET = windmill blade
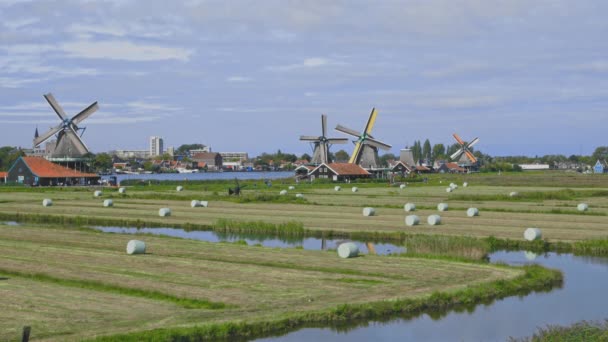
x: 337, y: 140
x: 76, y: 141
x: 470, y: 156
x: 475, y: 141
x: 308, y: 138
x: 42, y: 138
x: 456, y: 154
x: 376, y: 143
x: 85, y: 113
x: 324, y: 125
x: 56, y: 107
x: 458, y: 139
x: 356, y: 152
x: 371, y: 121
x: 348, y: 131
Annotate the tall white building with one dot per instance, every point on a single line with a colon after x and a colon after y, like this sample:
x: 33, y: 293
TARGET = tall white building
x: 156, y: 146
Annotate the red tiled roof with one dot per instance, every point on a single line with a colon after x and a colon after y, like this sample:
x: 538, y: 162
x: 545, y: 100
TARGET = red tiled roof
x: 45, y: 169
x: 422, y: 168
x: 3, y: 174
x: 348, y: 169
x: 454, y: 166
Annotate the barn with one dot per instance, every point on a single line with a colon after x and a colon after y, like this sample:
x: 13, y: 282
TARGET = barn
x: 39, y: 171
x: 338, y: 172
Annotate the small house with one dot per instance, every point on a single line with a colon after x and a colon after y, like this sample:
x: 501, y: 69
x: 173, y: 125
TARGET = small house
x: 600, y: 166
x: 400, y: 167
x: 212, y: 160
x: 338, y: 172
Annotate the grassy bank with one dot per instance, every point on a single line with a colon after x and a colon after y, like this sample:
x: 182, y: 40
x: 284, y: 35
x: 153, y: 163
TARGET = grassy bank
x: 582, y: 331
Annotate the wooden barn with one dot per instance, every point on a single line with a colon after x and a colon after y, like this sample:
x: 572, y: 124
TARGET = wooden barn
x: 339, y: 172
x: 400, y: 168
x: 39, y: 171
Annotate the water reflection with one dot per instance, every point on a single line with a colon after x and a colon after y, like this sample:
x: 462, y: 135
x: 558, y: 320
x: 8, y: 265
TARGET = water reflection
x: 10, y: 223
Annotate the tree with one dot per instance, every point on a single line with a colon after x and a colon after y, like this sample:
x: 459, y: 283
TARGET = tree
x: 184, y: 149
x: 166, y: 156
x: 426, y: 150
x: 600, y: 153
x: 8, y: 156
x: 342, y: 156
x: 386, y: 157
x: 102, y: 161
x: 438, y: 151
x: 417, y: 151
x: 306, y: 156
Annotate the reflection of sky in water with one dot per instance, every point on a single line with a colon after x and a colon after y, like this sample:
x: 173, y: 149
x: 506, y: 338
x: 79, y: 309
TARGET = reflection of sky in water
x: 252, y: 239
x: 582, y: 298
x: 10, y: 223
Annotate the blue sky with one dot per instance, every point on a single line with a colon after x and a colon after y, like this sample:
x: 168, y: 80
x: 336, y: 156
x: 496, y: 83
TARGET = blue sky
x: 527, y: 77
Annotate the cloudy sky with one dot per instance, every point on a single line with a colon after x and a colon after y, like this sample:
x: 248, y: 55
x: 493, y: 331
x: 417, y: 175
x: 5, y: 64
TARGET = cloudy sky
x: 527, y: 77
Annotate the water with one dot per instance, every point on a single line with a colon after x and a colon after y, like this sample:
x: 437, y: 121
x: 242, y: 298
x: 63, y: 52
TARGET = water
x: 10, y: 223
x: 581, y: 298
x: 203, y: 176
x: 255, y: 239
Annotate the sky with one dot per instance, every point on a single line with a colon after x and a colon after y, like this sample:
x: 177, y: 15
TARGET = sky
x: 526, y: 77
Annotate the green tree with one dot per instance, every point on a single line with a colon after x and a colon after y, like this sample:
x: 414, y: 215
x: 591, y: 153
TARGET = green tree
x: 426, y: 150
x: 417, y: 151
x: 600, y: 153
x: 438, y: 151
x: 102, y: 161
x: 183, y: 149
x: 306, y: 156
x: 341, y: 156
x: 386, y: 157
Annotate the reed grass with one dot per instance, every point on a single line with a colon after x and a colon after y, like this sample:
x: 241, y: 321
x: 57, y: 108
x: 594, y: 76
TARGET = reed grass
x: 581, y: 331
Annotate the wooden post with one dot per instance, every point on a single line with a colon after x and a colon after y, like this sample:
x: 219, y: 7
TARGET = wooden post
x: 26, y: 334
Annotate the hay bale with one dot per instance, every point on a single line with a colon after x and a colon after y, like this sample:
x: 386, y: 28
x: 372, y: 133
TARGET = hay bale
x: 283, y: 192
x: 409, y: 207
x: 514, y: 194
x: 179, y: 188
x: 442, y: 207
x: 299, y: 196
x: 472, y: 212
x: 582, y: 207
x: 355, y: 189
x: 136, y: 247
x: 368, y: 211
x: 530, y: 255
x: 291, y: 187
x: 97, y: 193
x: 337, y: 188
x: 449, y: 189
x: 402, y: 186
x: 453, y: 186
x: 204, y: 204
x: 122, y: 190
x: 433, y: 220
x: 348, y: 250
x: 195, y: 203
x: 412, y: 220
x: 532, y: 234
x: 108, y: 203
x: 47, y: 202
x: 465, y: 184
x: 162, y: 212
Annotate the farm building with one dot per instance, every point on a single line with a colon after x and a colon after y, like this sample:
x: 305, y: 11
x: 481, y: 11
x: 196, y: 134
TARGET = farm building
x: 449, y: 168
x: 400, y: 167
x: 339, y: 171
x: 600, y: 167
x: 3, y: 177
x: 212, y: 160
x: 39, y: 171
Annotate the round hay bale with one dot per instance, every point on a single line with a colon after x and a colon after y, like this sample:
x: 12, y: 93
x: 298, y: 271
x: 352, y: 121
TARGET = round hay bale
x: 442, y: 207
x: 412, y: 220
x: 283, y: 192
x: 514, y: 194
x: 433, y: 220
x: 47, y: 202
x: 299, y: 196
x: 449, y: 190
x: 97, y: 193
x: 291, y: 187
x: 108, y: 203
x: 179, y: 188
x: 204, y: 204
x: 337, y: 188
x: 122, y: 190
x: 472, y: 212
x: 368, y: 211
x: 582, y: 207
x: 195, y: 203
x: 355, y: 189
x: 532, y: 234
x: 453, y: 185
x: 348, y: 250
x: 465, y: 184
x: 162, y: 212
x: 136, y: 247
x: 530, y: 255
x: 409, y: 207
x: 402, y: 186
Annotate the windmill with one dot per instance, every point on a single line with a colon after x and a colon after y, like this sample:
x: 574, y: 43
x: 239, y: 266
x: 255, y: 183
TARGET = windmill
x: 69, y: 143
x: 464, y: 152
x: 237, y: 188
x: 322, y: 143
x: 366, y: 147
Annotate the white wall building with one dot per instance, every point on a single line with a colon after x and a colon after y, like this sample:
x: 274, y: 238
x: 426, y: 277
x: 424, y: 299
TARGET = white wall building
x: 156, y: 146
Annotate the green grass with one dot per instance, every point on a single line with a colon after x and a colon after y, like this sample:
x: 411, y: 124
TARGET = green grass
x: 581, y: 331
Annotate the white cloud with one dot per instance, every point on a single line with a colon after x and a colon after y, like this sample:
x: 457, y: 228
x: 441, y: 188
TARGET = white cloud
x: 238, y: 79
x: 596, y: 66
x: 457, y: 70
x: 459, y: 102
x: 308, y: 63
x: 86, y: 30
x: 125, y: 50
x: 149, y: 106
x: 19, y: 23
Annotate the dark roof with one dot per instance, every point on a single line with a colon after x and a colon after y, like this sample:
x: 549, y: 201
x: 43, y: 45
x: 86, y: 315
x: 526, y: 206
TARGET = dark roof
x: 204, y: 155
x: 46, y: 169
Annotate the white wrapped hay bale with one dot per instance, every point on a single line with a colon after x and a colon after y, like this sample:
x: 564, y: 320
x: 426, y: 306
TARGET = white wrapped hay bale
x: 453, y: 186
x: 195, y: 203
x: 514, y: 194
x: 412, y: 220
x: 442, y: 207
x: 368, y: 211
x: 122, y: 190
x: 348, y: 250
x: 299, y: 196
x: 136, y: 247
x: 448, y: 189
x: 47, y: 202
x: 582, y: 207
x: 108, y: 203
x: 337, y: 188
x: 204, y: 204
x: 162, y: 212
x: 402, y: 186
x: 465, y: 184
x: 291, y: 187
x: 179, y: 188
x: 283, y: 192
x: 355, y: 189
x: 532, y: 234
x: 409, y: 207
x: 97, y: 193
x: 472, y: 212
x: 433, y: 220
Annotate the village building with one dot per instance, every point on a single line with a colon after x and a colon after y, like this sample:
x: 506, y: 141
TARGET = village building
x: 39, y: 171
x: 212, y: 160
x: 398, y: 166
x: 600, y: 166
x: 3, y: 176
x: 339, y: 172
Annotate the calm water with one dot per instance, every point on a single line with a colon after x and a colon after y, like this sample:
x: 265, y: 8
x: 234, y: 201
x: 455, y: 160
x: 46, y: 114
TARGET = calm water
x: 205, y: 176
x: 254, y: 239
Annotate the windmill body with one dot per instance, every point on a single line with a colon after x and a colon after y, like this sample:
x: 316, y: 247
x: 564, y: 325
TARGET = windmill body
x: 464, y: 155
x: 69, y: 144
x: 365, y: 153
x: 322, y: 143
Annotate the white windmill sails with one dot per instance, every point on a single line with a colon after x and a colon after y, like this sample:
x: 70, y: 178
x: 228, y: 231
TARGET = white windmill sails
x: 464, y: 152
x: 322, y: 143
